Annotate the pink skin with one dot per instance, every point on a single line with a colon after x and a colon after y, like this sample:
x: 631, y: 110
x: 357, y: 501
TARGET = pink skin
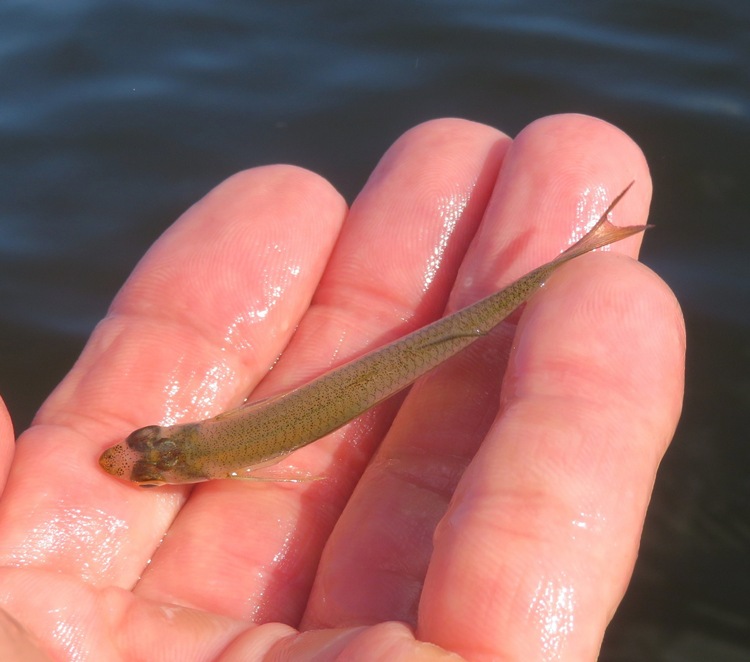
x: 499, y: 518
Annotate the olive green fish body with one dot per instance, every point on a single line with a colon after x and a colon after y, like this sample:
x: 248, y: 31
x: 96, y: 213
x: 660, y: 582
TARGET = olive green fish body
x: 260, y: 433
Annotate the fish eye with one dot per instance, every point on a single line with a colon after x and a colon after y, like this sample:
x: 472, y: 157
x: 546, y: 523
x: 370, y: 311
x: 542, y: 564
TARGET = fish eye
x: 146, y: 474
x: 142, y: 440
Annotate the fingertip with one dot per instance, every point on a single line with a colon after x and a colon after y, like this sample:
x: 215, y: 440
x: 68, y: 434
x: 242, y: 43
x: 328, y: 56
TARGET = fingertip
x: 607, y: 328
x: 450, y: 128
x: 276, y: 181
x: 584, y: 149
x: 7, y: 443
x: 6, y: 424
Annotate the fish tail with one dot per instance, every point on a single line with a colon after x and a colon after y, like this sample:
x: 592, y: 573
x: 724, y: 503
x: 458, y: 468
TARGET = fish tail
x: 602, y: 234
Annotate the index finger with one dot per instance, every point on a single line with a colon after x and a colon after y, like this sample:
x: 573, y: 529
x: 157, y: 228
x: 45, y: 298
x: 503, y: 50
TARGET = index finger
x: 270, y: 231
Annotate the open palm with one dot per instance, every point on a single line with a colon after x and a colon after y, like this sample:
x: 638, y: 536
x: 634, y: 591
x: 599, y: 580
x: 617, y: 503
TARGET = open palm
x: 494, y: 512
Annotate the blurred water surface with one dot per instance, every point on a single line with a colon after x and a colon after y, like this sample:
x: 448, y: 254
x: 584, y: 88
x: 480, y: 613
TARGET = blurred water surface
x: 114, y: 117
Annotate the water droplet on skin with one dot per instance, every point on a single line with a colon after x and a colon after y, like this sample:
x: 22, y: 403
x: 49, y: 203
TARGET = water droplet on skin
x: 590, y: 206
x: 450, y: 209
x: 553, y: 610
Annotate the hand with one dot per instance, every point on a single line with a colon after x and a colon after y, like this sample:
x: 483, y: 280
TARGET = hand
x: 500, y: 513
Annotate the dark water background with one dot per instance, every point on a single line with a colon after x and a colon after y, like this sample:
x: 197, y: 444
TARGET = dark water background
x: 115, y: 116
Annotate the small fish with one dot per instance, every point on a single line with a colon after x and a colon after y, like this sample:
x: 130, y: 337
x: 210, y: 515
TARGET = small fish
x: 261, y: 433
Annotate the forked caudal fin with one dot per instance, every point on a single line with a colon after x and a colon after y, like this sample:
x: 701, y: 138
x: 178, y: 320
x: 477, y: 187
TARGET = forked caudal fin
x: 602, y: 234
